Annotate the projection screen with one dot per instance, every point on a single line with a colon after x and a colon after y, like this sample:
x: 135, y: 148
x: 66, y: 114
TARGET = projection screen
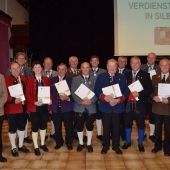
x: 141, y: 26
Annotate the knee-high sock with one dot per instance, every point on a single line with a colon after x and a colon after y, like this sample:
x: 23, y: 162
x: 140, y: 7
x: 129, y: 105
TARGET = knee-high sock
x: 42, y: 136
x: 128, y: 134
x: 26, y: 130
x: 89, y: 136
x: 80, y: 136
x: 152, y: 129
x: 99, y: 126
x: 21, y: 137
x: 35, y: 139
x: 12, y: 137
x: 140, y: 136
x: 52, y: 128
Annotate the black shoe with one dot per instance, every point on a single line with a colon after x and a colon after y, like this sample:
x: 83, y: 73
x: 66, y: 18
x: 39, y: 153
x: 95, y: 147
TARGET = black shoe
x: 123, y: 138
x: 141, y: 148
x: 167, y: 153
x: 14, y: 152
x: 144, y: 137
x: 2, y: 159
x: 126, y: 145
x: 117, y: 150
x: 23, y: 149
x: 152, y: 138
x: 28, y: 140
x: 52, y: 136
x: 100, y: 137
x: 37, y: 152
x: 85, y: 139
x: 46, y: 137
x: 104, y: 150
x: 90, y: 148
x: 69, y: 146
x: 44, y: 148
x: 155, y: 150
x: 58, y: 145
x: 80, y: 147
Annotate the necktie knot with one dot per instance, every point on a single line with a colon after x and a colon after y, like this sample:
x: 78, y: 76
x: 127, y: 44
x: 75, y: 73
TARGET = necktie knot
x: 163, y: 80
x: 74, y: 71
x: 60, y: 79
x: 120, y: 70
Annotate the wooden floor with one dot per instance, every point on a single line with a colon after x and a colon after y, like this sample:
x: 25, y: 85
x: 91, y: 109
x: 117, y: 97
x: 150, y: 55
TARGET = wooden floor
x: 63, y: 159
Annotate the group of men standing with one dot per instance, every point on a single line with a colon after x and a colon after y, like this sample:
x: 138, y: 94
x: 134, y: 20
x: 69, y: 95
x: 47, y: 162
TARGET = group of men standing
x: 115, y: 114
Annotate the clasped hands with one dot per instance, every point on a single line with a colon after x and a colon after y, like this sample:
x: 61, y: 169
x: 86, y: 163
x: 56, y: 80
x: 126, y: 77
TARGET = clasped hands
x: 163, y: 100
x: 111, y: 100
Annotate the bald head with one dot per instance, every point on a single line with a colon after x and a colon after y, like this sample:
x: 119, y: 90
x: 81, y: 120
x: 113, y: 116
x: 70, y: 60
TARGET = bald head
x: 151, y: 58
x: 85, y: 68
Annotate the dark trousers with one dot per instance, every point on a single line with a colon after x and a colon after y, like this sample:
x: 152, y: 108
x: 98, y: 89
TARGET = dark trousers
x: 39, y: 118
x: 151, y: 114
x: 159, y: 121
x: 82, y: 118
x: 17, y: 121
x: 139, y: 116
x: 122, y: 126
x: 67, y: 117
x: 111, y: 122
x: 1, y: 121
x: 98, y: 113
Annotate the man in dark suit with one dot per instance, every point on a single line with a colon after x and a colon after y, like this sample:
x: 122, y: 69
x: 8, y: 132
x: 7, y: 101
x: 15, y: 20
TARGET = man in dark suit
x: 150, y: 65
x: 21, y: 60
x: 135, y: 108
x: 161, y: 109
x: 111, y: 108
x: 47, y: 71
x: 86, y: 108
x: 122, y: 62
x: 62, y: 107
x: 95, y: 71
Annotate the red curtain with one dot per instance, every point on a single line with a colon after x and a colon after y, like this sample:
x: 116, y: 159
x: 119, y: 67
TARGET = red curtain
x: 5, y: 23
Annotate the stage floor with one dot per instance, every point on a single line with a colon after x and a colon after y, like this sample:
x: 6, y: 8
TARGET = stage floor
x: 63, y: 159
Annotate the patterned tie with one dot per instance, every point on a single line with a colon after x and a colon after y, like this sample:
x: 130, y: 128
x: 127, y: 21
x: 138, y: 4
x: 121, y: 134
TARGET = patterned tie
x: 48, y: 73
x: 22, y: 70
x: 163, y: 80
x: 134, y: 76
x: 120, y: 70
x: 94, y: 71
x: 74, y: 72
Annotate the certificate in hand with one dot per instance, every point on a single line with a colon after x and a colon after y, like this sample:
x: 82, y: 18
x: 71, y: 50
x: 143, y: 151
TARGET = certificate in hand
x: 16, y: 91
x: 62, y: 88
x: 152, y: 73
x: 83, y: 92
x: 44, y: 94
x: 113, y: 90
x: 163, y: 90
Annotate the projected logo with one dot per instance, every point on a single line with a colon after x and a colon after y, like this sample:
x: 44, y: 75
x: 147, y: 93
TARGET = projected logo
x: 162, y: 36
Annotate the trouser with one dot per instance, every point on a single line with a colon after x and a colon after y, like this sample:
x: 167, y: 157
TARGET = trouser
x: 67, y: 117
x: 111, y: 122
x: 122, y: 126
x: 159, y: 121
x: 1, y: 121
x: 151, y: 114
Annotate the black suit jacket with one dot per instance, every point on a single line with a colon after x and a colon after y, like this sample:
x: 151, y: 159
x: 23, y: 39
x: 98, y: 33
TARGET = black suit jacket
x: 145, y: 81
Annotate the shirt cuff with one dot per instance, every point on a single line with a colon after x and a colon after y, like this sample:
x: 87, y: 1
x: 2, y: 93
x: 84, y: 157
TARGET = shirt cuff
x: 102, y: 96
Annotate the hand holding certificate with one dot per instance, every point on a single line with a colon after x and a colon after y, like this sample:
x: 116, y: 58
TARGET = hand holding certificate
x: 16, y: 91
x: 44, y: 94
x: 84, y: 93
x: 136, y: 87
x: 62, y: 88
x: 152, y: 73
x: 163, y: 90
x: 113, y: 91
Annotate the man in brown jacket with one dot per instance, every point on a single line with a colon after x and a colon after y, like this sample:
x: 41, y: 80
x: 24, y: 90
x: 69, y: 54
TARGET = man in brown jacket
x: 161, y: 108
x: 3, y: 98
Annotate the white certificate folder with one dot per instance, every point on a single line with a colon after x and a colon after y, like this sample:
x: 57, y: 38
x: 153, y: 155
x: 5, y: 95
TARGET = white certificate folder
x: 84, y: 92
x: 62, y: 88
x: 163, y: 90
x: 16, y: 91
x: 113, y: 91
x: 44, y: 94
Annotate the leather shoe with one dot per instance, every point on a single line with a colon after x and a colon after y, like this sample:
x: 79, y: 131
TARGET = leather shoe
x: 85, y: 139
x: 117, y: 150
x: 126, y: 145
x: 44, y: 148
x: 141, y: 148
x: 104, y: 150
x: 155, y: 150
x: 90, y: 148
x: 69, y: 146
x: 2, y: 159
x: 14, y: 152
x: 52, y: 136
x: 37, y: 152
x: 80, y: 147
x: 23, y: 149
x: 58, y: 145
x: 100, y: 137
x: 152, y: 138
x: 28, y: 140
x: 167, y: 153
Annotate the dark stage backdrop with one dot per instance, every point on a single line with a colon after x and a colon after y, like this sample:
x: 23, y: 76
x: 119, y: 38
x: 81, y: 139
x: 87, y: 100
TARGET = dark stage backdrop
x: 63, y: 28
